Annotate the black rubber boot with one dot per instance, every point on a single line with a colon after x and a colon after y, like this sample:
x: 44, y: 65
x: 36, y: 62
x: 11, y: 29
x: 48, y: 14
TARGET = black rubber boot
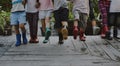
x: 108, y: 35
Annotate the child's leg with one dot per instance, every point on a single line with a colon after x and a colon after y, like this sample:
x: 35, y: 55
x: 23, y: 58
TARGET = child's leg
x: 103, y: 11
x: 115, y: 28
x: 16, y: 27
x: 35, y: 27
x: 22, y: 22
x: 30, y: 22
x: 96, y: 29
x: 23, y: 33
x: 60, y: 36
x: 64, y: 30
x: 115, y: 32
x: 64, y: 18
x: 83, y: 24
x: 58, y: 26
x: 43, y: 27
x: 47, y: 22
x: 75, y: 26
x: 75, y: 29
x: 47, y: 29
x: 18, y: 35
x: 47, y: 25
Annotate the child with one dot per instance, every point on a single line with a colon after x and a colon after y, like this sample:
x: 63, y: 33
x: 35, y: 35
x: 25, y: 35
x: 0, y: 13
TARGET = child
x: 18, y: 20
x: 114, y: 16
x: 81, y: 13
x: 104, y: 9
x: 45, y: 10
x: 32, y: 18
x: 61, y: 13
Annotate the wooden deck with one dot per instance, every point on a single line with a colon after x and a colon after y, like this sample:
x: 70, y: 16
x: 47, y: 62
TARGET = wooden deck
x: 93, y: 52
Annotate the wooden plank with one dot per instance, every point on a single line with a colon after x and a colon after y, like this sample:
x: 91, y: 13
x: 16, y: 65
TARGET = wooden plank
x: 105, y: 47
x: 79, y: 46
x: 90, y: 44
x: 115, y: 43
x: 98, y: 50
x: 114, y: 50
x: 72, y: 46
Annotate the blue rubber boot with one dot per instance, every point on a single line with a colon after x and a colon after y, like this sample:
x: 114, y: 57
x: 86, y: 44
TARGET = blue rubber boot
x: 18, y: 38
x: 25, y: 41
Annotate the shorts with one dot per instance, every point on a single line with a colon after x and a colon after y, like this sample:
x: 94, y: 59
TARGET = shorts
x: 17, y: 18
x: 82, y: 17
x: 60, y: 15
x: 44, y: 14
x: 114, y: 19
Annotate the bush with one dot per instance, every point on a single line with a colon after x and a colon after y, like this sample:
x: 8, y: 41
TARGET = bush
x: 6, y: 5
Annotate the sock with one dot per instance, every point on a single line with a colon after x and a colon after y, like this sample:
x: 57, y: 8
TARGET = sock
x: 47, y: 25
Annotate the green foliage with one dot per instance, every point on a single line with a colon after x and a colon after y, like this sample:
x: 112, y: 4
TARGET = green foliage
x: 70, y: 6
x: 6, y: 5
x: 4, y: 18
x: 96, y: 9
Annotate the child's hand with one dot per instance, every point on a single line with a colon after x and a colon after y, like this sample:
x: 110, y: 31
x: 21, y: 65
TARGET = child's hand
x: 37, y: 5
x: 24, y: 2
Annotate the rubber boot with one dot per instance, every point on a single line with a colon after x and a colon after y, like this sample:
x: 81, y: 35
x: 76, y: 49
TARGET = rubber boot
x: 36, y: 39
x: 24, y: 38
x: 47, y: 35
x: 82, y: 37
x: 104, y: 31
x: 18, y: 38
x: 42, y: 33
x: 64, y: 32
x: 60, y: 38
x: 115, y: 33
x: 108, y: 35
x: 75, y: 32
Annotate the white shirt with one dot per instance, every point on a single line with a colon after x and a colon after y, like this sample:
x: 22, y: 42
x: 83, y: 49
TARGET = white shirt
x: 115, y: 6
x: 60, y: 3
x: 30, y: 6
x: 17, y: 6
x: 81, y: 5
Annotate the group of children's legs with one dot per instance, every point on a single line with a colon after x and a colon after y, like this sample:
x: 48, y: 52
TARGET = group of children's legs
x: 18, y: 19
x: 113, y: 24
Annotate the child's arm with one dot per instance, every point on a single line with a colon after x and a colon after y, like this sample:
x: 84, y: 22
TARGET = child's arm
x: 37, y: 5
x: 24, y: 2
